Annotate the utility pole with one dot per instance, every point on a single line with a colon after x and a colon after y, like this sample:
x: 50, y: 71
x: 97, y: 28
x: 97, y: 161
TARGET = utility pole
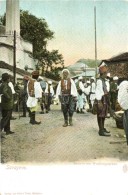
x: 14, y: 58
x: 95, y: 39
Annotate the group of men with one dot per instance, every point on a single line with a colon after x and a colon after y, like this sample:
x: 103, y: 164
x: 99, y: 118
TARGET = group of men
x: 32, y: 95
x: 103, y: 92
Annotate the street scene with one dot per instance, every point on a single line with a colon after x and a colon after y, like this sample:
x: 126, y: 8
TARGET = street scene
x: 63, y: 97
x: 50, y: 142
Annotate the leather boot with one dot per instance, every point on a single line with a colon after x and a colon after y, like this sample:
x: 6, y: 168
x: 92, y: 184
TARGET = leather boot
x: 70, y: 121
x: 103, y: 133
x: 33, y: 121
x: 65, y: 123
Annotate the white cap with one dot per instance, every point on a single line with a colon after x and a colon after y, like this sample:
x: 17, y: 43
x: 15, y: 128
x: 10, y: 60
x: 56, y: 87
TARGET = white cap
x: 49, y: 82
x: 41, y: 78
x: 93, y: 78
x: 80, y: 78
x: 115, y: 78
x: 108, y: 74
x: 88, y: 82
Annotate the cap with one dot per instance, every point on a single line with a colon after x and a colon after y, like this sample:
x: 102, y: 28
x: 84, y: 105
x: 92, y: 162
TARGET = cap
x: 49, y: 82
x: 88, y: 82
x: 36, y: 73
x: 115, y: 78
x: 5, y: 76
x: 41, y: 78
x: 93, y: 78
x: 65, y: 70
x: 80, y: 78
x: 108, y: 74
x: 103, y: 69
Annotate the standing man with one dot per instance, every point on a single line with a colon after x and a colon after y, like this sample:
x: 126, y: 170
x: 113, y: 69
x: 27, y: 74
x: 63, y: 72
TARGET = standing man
x: 92, y: 91
x: 6, y: 103
x: 24, y: 96
x: 50, y: 93
x: 80, y: 91
x: 114, y: 92
x: 67, y: 91
x: 102, y: 98
x: 34, y: 93
x: 123, y: 101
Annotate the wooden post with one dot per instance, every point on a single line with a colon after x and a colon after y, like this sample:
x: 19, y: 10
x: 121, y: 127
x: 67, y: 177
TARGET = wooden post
x: 95, y: 40
x: 14, y: 58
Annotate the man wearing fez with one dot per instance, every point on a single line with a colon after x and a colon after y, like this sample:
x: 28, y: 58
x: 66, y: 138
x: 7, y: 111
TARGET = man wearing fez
x: 34, y: 93
x: 6, y: 103
x: 102, y: 89
x: 67, y: 91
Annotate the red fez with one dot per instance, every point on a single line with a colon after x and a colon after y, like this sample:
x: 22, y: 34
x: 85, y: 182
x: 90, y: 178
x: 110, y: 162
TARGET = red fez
x: 35, y: 73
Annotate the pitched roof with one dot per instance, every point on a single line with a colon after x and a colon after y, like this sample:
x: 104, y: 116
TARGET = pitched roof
x: 118, y: 58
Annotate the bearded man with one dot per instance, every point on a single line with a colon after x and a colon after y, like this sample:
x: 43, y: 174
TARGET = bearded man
x: 67, y: 92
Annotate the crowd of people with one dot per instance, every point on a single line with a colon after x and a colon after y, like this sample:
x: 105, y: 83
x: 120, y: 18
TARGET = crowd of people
x: 78, y: 95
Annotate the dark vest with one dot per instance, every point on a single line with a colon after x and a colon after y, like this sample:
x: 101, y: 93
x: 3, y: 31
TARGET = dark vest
x: 64, y: 89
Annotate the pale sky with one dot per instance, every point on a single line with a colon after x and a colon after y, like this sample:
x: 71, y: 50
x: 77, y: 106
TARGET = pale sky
x: 73, y: 25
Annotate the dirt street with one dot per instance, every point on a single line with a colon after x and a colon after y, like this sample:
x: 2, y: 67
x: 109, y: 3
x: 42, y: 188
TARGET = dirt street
x: 52, y: 143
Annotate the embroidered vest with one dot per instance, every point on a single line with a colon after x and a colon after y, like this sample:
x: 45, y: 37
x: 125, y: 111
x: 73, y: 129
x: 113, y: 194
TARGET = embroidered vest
x: 66, y: 87
x: 31, y: 88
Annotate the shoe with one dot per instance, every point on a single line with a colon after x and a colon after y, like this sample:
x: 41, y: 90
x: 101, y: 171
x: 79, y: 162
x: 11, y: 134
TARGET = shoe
x: 9, y: 132
x: 46, y: 111
x: 23, y: 116
x: 103, y: 133
x: 13, y: 118
x: 65, y: 124
x: 77, y: 111
x: 35, y: 123
x: 42, y: 112
x: 106, y: 131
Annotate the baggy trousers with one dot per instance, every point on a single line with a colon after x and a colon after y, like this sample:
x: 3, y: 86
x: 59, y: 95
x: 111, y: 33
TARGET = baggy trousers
x: 67, y: 105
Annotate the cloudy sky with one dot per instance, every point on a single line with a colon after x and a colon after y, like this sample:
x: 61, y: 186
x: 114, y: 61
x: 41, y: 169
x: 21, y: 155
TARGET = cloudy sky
x: 73, y: 25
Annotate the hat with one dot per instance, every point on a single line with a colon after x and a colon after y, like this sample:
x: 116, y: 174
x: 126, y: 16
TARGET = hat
x: 103, y: 69
x: 80, y: 78
x: 50, y: 82
x: 93, y: 78
x: 5, y: 76
x: 41, y: 78
x: 108, y: 74
x: 35, y: 73
x: 115, y: 78
x: 65, y: 70
x: 88, y: 82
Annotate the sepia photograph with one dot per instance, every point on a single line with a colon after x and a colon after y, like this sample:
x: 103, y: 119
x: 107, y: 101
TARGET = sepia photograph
x: 63, y: 97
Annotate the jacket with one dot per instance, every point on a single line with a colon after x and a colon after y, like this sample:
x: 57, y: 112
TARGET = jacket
x: 7, y: 96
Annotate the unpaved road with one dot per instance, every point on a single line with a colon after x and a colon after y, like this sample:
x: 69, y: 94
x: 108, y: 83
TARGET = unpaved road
x: 52, y: 143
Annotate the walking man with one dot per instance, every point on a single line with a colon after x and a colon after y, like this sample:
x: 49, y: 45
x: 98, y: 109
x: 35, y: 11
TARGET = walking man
x: 67, y: 91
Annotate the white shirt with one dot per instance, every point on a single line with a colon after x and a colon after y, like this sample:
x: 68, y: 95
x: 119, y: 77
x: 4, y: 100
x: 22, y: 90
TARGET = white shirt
x: 123, y: 95
x: 99, y: 89
x: 73, y: 89
x: 12, y: 87
x: 32, y: 101
x: 51, y: 90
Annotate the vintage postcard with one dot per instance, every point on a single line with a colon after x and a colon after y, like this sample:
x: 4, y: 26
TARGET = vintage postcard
x: 64, y: 97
